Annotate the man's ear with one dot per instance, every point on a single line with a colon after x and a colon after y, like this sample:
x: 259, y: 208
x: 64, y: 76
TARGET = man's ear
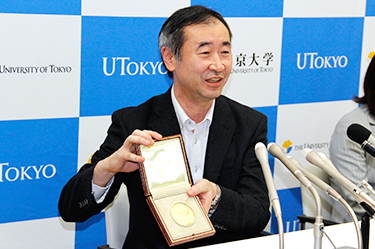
x: 168, y: 58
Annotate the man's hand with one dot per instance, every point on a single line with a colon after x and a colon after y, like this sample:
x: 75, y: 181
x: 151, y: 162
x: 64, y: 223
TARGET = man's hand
x: 124, y: 159
x: 206, y: 192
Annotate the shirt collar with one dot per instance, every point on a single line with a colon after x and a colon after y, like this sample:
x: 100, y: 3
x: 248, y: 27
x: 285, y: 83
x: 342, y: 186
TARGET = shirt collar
x: 182, y: 117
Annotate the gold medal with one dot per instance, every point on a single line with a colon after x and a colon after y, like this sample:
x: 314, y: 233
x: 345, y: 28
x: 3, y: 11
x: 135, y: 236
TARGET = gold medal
x: 182, y: 214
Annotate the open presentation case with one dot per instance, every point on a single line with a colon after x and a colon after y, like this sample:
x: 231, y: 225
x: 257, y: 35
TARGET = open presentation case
x: 166, y: 180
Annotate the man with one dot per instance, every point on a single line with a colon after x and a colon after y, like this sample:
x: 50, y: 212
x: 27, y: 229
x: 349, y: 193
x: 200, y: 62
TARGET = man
x: 219, y: 136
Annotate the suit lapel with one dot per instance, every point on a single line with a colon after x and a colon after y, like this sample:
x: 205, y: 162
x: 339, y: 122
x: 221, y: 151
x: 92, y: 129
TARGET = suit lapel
x: 163, y: 118
x: 219, y: 140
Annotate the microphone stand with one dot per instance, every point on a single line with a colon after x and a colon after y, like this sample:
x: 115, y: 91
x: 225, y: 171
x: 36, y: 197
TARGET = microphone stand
x: 279, y: 224
x: 335, y: 196
x: 366, y: 217
x: 361, y: 242
x: 365, y: 227
x: 262, y: 156
x: 277, y: 152
x: 318, y: 225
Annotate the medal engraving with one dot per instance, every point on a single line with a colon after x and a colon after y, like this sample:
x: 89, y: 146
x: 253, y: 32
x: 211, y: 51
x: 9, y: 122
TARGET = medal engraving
x: 182, y: 214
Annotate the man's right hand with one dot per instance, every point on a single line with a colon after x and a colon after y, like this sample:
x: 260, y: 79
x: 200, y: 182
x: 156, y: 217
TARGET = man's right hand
x: 125, y: 158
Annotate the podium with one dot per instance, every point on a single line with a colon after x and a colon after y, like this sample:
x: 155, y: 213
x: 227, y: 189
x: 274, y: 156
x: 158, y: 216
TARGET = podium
x: 341, y: 235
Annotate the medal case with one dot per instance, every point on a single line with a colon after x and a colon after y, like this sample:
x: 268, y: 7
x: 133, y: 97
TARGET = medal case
x: 166, y: 179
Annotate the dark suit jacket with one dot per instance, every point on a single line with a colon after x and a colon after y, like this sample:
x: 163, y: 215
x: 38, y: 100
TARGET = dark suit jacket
x: 230, y: 162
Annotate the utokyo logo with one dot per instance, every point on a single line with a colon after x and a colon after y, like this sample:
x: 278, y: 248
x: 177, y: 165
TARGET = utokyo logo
x: 128, y: 67
x: 11, y: 173
x: 370, y: 56
x: 314, y: 61
x: 287, y: 146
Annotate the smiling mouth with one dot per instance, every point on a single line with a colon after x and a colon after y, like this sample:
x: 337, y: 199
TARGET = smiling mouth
x: 214, y: 80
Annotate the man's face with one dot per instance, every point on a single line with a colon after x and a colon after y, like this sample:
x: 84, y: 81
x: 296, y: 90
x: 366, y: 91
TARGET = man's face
x: 205, y: 64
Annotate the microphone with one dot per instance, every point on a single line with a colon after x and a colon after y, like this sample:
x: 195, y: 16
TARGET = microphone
x: 326, y: 160
x: 361, y: 135
x: 368, y: 187
x: 262, y: 155
x: 359, y: 195
x: 334, y: 195
x: 330, y: 163
x: 277, y: 152
x: 316, y: 180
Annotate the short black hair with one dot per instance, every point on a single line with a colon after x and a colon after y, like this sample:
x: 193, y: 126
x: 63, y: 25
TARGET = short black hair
x: 368, y: 88
x: 172, y: 32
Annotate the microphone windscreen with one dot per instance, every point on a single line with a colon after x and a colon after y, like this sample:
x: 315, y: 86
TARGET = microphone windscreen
x: 358, y: 133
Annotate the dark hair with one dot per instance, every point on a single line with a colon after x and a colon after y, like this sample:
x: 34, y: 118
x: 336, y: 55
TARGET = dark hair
x: 172, y: 33
x: 368, y: 88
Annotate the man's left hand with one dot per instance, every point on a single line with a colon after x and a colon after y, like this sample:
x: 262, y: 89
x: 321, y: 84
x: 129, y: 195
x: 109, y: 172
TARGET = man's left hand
x: 206, y: 192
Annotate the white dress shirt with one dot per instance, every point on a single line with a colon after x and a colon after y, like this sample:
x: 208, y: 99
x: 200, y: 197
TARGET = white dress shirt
x: 195, y: 137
